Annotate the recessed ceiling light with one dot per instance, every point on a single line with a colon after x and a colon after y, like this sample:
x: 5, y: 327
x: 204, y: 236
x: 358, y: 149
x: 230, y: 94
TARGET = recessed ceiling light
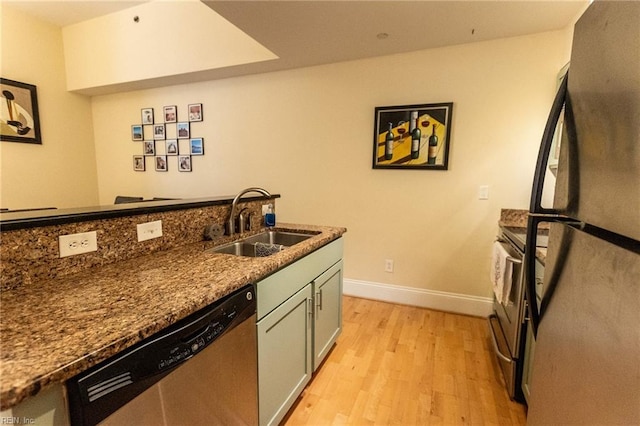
x: 382, y: 36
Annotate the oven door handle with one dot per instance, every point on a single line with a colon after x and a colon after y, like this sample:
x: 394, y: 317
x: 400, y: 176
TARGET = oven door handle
x: 511, y: 259
x: 495, y: 342
x: 514, y: 260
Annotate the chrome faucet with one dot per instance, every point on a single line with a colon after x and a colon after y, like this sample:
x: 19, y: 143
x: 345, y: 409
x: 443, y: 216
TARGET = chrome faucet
x: 231, y: 223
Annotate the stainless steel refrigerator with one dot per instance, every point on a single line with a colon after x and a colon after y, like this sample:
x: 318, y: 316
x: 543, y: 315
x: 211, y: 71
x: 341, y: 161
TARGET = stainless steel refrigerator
x: 586, y: 365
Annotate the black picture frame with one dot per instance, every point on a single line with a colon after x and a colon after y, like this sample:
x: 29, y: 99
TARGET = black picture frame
x: 170, y: 113
x: 171, y: 147
x: 137, y: 132
x: 184, y: 163
x: 138, y: 163
x: 161, y: 163
x: 22, y: 123
x: 149, y: 148
x: 183, y: 130
x: 394, y: 145
x: 195, y: 112
x: 146, y: 115
x: 196, y: 146
x: 159, y: 131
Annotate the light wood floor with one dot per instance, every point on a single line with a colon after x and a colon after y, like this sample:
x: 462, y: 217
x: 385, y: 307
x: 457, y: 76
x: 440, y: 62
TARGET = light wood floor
x: 402, y: 365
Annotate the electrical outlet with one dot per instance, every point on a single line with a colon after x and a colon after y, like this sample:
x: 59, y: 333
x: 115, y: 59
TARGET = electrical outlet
x: 73, y: 244
x: 388, y: 265
x: 149, y: 230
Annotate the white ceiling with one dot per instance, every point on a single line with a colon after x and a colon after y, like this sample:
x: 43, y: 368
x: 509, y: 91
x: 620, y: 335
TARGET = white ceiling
x: 309, y: 32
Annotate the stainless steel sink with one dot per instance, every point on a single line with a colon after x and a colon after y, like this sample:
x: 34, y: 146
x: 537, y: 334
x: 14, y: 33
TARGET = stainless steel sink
x: 254, y: 246
x: 284, y: 238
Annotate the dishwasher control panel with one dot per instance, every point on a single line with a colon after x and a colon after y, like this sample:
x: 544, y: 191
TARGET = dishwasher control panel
x: 209, y: 330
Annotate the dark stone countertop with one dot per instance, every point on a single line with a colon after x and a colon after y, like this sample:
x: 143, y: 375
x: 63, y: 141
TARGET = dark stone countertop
x: 58, y: 328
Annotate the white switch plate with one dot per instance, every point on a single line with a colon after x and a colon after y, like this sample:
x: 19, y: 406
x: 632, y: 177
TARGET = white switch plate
x: 483, y: 192
x: 149, y: 230
x: 73, y: 244
x: 388, y: 265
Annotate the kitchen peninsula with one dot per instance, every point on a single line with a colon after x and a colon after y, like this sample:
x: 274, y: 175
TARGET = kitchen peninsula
x: 58, y: 326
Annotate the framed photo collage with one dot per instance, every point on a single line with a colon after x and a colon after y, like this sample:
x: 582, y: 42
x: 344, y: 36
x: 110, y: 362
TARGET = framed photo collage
x: 166, y: 138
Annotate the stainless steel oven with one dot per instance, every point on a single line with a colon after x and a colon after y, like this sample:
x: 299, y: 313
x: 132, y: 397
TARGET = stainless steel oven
x: 506, y: 323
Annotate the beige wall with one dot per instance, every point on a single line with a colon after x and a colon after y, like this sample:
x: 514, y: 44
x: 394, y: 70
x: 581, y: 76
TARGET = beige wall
x: 62, y: 171
x: 113, y: 49
x: 307, y: 134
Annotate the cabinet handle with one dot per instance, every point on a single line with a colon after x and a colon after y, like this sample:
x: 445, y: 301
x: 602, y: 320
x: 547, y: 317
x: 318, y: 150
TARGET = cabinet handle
x: 495, y: 343
x: 319, y: 299
x: 310, y: 306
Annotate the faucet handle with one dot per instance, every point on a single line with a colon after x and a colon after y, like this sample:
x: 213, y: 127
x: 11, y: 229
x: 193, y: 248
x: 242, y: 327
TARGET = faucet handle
x: 242, y: 220
x: 248, y: 221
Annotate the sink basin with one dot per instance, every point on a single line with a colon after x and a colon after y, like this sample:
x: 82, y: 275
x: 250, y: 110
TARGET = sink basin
x: 284, y: 238
x: 247, y: 246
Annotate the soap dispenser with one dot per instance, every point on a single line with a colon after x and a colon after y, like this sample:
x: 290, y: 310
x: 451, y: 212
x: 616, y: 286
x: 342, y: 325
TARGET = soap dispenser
x: 270, y: 217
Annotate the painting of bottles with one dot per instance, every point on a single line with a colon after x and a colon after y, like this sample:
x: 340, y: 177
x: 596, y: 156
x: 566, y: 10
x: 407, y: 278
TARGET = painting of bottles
x: 412, y: 136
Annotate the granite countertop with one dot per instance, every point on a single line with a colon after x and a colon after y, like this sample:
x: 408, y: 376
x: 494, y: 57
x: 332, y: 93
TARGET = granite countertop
x: 54, y: 330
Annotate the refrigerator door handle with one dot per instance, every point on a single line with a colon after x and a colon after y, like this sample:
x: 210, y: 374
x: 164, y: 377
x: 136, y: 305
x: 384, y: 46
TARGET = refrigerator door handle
x: 535, y: 314
x: 530, y: 270
x: 537, y: 213
x: 545, y: 148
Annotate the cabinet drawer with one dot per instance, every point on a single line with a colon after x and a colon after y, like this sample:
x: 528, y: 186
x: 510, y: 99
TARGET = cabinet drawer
x: 278, y: 287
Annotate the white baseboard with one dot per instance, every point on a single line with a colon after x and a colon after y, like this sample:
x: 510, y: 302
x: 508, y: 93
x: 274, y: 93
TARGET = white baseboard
x: 440, y: 300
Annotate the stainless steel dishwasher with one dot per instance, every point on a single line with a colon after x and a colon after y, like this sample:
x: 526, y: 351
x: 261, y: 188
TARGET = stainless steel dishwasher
x: 199, y: 371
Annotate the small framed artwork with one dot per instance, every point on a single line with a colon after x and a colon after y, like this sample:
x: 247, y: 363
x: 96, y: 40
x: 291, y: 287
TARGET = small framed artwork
x: 158, y: 131
x: 161, y: 163
x: 138, y: 163
x: 412, y: 136
x: 137, y: 133
x: 149, y: 148
x: 147, y: 115
x: 20, y: 117
x: 196, y: 146
x: 182, y: 130
x: 170, y: 114
x: 184, y: 163
x: 195, y: 112
x: 171, y: 147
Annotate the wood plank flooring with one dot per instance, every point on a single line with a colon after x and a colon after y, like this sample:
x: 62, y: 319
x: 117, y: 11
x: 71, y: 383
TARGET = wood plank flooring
x: 402, y: 365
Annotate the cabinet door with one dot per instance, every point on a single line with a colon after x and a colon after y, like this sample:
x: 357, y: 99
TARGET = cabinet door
x: 284, y: 355
x: 327, y: 293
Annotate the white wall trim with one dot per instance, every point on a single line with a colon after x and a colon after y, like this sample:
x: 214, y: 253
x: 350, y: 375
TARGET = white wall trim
x: 440, y: 300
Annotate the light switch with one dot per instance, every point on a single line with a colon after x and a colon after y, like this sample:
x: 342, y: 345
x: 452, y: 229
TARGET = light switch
x: 483, y: 192
x: 149, y: 230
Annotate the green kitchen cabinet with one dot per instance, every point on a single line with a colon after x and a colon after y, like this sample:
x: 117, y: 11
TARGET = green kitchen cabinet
x: 299, y: 319
x: 327, y: 315
x: 284, y: 356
